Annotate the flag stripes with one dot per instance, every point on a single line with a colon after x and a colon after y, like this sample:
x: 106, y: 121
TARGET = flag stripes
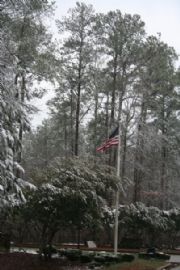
x: 113, y: 140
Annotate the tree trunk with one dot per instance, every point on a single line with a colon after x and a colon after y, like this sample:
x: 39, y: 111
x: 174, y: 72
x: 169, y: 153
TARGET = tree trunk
x: 138, y: 160
x: 77, y: 121
x: 78, y: 237
x: 107, y: 115
x: 112, y: 152
x: 113, y: 90
x: 65, y: 135
x: 71, y: 123
x: 78, y: 101
x: 124, y: 149
x: 95, y: 120
x: 21, y: 98
x: 163, y: 158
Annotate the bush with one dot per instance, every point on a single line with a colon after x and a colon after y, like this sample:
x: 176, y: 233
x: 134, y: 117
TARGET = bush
x: 162, y: 256
x: 108, y: 258
x: 94, y: 258
x: 86, y: 258
x: 157, y: 255
x: 92, y: 265
x: 100, y: 258
x: 62, y: 252
x: 127, y: 258
x: 48, y: 251
x: 111, y: 258
x: 144, y: 255
x: 72, y: 254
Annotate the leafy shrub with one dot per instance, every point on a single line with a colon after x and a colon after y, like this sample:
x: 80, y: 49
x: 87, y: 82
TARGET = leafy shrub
x: 162, y: 256
x: 93, y: 264
x: 157, y: 255
x: 111, y: 258
x: 144, y: 255
x: 86, y: 258
x: 127, y: 257
x: 100, y: 258
x: 72, y: 254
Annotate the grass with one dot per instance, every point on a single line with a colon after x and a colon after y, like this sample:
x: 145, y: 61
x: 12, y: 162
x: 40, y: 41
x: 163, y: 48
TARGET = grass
x: 138, y: 264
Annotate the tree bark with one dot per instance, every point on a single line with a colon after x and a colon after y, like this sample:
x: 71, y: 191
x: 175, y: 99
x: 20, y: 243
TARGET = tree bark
x: 71, y: 123
x: 76, y: 152
x: 138, y: 160
x: 65, y: 135
x: 124, y: 149
x: 95, y: 119
x: 163, y: 157
x: 113, y: 89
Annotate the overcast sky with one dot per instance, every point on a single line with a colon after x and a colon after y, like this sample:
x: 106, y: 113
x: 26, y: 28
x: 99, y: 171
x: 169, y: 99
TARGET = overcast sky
x: 160, y: 16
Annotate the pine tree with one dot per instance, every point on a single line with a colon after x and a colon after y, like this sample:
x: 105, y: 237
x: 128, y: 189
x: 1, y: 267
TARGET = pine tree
x: 23, y: 41
x: 77, y: 49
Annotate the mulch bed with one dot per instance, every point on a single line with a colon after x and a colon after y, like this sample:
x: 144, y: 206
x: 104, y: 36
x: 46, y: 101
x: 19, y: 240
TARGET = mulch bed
x: 23, y: 261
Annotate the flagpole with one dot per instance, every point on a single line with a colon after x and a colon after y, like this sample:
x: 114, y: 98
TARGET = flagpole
x: 118, y: 176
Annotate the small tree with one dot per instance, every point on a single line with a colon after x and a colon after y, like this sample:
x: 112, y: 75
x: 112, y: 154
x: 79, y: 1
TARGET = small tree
x: 72, y: 196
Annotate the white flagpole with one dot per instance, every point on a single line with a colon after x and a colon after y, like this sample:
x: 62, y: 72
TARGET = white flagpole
x: 118, y: 176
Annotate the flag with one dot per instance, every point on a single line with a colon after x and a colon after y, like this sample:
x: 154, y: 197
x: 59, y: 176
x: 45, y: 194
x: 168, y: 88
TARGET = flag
x: 112, y: 140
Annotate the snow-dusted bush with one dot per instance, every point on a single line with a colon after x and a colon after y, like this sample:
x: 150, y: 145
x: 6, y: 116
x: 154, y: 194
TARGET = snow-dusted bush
x: 72, y: 195
x: 144, y: 225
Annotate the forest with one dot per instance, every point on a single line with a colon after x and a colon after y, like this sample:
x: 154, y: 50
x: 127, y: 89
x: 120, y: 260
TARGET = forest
x: 104, y: 71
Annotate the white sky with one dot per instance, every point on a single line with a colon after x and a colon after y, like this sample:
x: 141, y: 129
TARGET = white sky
x: 160, y: 16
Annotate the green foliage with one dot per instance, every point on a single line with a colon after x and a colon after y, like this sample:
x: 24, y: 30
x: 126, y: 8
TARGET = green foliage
x: 106, y: 67
x: 87, y: 257
x: 158, y: 255
x: 140, y: 216
x: 139, y: 225
x: 73, y: 254
x: 23, y: 39
x: 71, y: 195
x: 96, y: 258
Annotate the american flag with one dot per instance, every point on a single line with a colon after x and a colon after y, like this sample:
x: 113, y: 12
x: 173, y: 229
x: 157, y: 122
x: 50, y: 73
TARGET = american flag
x: 112, y: 140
